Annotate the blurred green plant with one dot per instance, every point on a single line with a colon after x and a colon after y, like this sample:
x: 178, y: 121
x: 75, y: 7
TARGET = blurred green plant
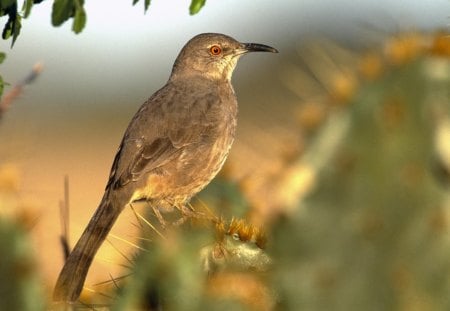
x: 21, y: 288
x: 374, y: 233
x: 178, y: 272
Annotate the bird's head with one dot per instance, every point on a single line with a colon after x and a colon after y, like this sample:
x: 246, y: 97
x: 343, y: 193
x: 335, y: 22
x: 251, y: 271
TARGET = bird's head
x: 213, y: 55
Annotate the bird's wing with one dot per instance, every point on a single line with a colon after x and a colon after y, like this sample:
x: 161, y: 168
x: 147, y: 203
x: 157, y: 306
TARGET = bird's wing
x: 151, y: 141
x: 133, y: 158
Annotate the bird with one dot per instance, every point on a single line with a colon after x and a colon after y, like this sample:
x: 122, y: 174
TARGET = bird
x: 173, y: 147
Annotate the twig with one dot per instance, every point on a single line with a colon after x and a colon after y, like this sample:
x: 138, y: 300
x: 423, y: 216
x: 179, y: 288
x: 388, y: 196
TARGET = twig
x: 17, y: 89
x: 64, y: 216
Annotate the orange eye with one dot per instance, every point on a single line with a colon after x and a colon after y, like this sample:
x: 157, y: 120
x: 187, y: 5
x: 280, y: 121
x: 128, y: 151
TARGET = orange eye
x: 215, y: 50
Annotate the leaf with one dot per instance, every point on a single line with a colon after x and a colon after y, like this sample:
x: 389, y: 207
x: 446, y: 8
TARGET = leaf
x: 2, y: 57
x: 135, y: 1
x: 7, y: 30
x: 146, y: 5
x: 196, y: 6
x: 79, y: 20
x: 12, y: 28
x: 27, y: 5
x: 16, y: 28
x: 7, y: 3
x: 62, y: 10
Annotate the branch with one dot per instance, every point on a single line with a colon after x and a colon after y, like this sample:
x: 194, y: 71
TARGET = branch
x: 9, y: 97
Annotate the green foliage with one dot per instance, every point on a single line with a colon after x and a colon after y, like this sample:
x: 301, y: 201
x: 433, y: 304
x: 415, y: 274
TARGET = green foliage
x: 146, y: 4
x: 13, y: 25
x: 196, y: 6
x: 27, y: 5
x: 20, y: 288
x: 7, y: 3
x: 173, y: 274
x: 65, y: 9
x: 374, y: 234
x: 79, y: 20
x: 62, y: 11
x: 168, y: 274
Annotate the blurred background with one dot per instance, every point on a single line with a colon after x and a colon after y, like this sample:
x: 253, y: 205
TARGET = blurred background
x: 70, y: 121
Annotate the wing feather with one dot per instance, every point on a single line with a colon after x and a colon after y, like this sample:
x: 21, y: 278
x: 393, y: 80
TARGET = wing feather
x: 151, y: 140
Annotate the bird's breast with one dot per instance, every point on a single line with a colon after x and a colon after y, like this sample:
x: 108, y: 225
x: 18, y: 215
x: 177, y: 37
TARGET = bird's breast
x: 202, y: 160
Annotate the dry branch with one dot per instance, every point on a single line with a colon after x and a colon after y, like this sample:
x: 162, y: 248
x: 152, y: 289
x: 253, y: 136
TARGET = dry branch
x: 17, y: 89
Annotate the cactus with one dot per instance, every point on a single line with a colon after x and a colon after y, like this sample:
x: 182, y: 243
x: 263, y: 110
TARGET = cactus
x: 188, y: 270
x: 373, y: 235
x: 20, y: 287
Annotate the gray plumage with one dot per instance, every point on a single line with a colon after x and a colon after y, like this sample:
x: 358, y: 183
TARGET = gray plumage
x: 173, y: 147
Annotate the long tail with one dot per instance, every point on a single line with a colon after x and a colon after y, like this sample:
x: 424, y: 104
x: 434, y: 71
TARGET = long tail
x: 71, y: 278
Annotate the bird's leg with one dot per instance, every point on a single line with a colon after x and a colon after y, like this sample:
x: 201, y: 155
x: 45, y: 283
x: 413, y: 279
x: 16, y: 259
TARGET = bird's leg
x: 187, y: 212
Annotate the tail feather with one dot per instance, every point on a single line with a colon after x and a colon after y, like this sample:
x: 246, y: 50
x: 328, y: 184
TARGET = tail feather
x: 71, y: 278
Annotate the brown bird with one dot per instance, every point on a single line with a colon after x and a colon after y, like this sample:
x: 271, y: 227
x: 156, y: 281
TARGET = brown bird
x: 174, y: 145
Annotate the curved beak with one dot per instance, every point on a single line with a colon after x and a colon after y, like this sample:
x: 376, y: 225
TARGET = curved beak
x: 256, y: 47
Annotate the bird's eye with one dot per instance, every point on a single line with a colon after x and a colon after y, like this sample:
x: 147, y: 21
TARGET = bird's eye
x: 215, y: 50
